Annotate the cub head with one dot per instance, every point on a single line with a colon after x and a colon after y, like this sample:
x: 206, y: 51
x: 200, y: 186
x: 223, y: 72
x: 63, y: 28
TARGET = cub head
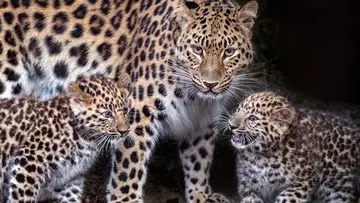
x: 262, y: 117
x: 212, y: 42
x: 100, y: 105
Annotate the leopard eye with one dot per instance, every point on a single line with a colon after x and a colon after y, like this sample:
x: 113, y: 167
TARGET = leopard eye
x: 252, y: 118
x: 197, y: 49
x: 229, y: 52
x: 108, y: 114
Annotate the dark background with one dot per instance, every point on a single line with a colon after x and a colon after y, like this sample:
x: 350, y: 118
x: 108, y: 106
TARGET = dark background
x: 318, y: 46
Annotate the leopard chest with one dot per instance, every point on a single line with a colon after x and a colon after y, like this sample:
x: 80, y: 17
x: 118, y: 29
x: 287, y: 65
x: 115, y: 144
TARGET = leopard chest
x: 266, y: 176
x: 185, y: 116
x: 77, y: 159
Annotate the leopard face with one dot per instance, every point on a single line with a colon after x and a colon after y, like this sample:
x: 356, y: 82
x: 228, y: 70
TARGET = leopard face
x: 100, y: 106
x: 214, y: 44
x: 262, y: 117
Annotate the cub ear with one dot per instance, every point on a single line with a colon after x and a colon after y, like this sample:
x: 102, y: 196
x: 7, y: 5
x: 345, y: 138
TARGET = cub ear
x: 284, y: 114
x: 77, y: 95
x: 124, y: 81
x: 247, y: 14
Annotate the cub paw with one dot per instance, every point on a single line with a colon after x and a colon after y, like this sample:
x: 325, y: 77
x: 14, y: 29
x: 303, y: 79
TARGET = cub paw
x: 217, y: 198
x: 252, y: 200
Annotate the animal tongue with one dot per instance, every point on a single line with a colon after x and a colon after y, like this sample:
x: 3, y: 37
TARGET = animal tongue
x: 241, y: 138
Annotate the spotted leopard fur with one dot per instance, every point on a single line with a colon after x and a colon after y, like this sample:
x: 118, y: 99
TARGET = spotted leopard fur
x: 294, y: 154
x: 183, y: 59
x: 46, y: 144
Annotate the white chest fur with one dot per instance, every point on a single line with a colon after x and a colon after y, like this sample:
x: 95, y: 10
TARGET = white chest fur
x: 184, y: 117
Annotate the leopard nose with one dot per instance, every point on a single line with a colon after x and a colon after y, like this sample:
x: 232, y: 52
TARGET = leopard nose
x: 210, y: 85
x: 123, y: 128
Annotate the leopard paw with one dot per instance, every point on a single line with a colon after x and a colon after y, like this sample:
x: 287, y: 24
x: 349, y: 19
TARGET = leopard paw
x: 217, y: 198
x: 252, y: 199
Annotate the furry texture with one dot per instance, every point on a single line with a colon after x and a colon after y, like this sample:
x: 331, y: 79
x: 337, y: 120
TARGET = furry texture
x: 46, y: 147
x: 289, y: 154
x: 182, y: 59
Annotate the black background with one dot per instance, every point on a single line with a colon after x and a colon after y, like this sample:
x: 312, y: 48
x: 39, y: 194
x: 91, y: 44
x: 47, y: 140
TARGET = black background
x: 318, y: 43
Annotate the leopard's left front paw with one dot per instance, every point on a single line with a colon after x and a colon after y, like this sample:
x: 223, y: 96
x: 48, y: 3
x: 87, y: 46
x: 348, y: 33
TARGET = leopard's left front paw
x: 217, y: 198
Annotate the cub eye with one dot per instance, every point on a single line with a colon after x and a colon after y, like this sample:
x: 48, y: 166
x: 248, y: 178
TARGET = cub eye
x: 252, y: 118
x: 197, y: 49
x: 108, y: 114
x: 229, y: 52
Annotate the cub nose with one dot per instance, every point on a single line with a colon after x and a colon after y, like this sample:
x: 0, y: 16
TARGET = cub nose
x: 123, y: 128
x: 210, y: 85
x: 124, y: 132
x: 232, y: 127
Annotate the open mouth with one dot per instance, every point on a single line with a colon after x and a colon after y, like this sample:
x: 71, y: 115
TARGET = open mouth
x: 241, y: 140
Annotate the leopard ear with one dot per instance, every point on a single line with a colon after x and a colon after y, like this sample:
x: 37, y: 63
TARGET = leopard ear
x: 124, y: 81
x: 184, y: 15
x: 77, y: 96
x: 193, y: 4
x: 284, y: 114
x: 181, y: 17
x: 247, y: 14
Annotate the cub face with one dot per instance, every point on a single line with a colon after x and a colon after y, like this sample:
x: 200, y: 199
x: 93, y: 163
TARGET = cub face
x: 100, y: 105
x: 262, y: 117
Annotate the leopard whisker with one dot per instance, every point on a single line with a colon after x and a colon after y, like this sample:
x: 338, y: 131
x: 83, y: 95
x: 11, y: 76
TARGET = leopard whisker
x: 221, y: 127
x: 242, y: 90
x: 233, y: 94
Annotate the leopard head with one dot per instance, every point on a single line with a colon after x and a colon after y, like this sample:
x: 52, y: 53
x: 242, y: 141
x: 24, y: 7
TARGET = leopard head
x: 213, y: 44
x: 100, y: 105
x: 262, y: 117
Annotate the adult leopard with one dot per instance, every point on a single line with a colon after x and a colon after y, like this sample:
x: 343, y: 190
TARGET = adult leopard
x: 182, y: 58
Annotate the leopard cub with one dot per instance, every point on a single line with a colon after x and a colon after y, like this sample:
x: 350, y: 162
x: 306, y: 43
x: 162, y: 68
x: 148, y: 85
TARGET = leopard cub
x: 289, y: 154
x: 46, y: 146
